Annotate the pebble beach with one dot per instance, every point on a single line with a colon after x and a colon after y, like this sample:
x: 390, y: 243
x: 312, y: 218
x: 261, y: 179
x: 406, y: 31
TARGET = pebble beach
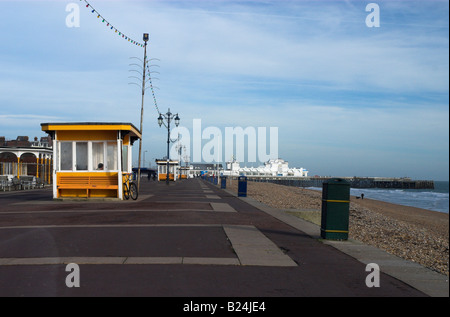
x: 411, y: 233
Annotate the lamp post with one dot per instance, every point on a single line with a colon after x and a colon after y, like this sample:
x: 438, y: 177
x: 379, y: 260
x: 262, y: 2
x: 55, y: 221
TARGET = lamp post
x: 145, y: 38
x: 169, y: 116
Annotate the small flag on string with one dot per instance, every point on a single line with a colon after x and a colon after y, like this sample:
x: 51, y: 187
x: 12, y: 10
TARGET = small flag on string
x: 112, y: 27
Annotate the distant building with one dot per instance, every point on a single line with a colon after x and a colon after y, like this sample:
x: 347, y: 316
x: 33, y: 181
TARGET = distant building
x: 277, y: 167
x: 23, y: 141
x: 24, y: 157
x: 271, y: 168
x: 199, y: 169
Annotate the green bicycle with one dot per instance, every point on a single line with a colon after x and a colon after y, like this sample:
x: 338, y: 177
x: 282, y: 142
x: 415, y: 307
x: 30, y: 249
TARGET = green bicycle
x: 129, y: 188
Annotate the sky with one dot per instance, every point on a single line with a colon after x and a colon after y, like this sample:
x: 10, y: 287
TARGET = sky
x: 347, y: 98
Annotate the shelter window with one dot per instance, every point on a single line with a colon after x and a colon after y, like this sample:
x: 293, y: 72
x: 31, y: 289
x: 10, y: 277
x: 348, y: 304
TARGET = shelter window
x: 98, y: 155
x: 124, y: 158
x: 82, y: 156
x: 66, y: 156
x: 87, y: 156
x: 111, y: 154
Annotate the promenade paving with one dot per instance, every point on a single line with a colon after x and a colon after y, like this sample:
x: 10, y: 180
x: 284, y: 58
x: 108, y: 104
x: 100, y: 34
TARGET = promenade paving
x: 186, y: 239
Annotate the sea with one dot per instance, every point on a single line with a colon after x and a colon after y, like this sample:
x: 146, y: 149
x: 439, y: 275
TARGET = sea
x: 432, y: 199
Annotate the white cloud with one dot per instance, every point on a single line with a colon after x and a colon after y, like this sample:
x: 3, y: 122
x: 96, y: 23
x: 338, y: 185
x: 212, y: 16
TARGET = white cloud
x: 13, y: 125
x: 227, y: 44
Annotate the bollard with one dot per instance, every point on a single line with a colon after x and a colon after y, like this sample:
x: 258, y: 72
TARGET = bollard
x: 223, y: 182
x: 242, y: 186
x: 335, y: 209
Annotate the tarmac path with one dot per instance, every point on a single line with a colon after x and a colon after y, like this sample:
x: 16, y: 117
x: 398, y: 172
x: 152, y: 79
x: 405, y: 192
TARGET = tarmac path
x: 188, y: 239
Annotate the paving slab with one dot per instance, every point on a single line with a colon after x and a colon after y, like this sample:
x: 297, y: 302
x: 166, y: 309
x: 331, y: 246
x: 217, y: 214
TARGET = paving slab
x: 222, y: 207
x: 212, y: 197
x: 253, y: 248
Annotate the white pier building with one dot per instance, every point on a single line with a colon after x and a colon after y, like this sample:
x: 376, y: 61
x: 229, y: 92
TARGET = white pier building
x: 276, y: 167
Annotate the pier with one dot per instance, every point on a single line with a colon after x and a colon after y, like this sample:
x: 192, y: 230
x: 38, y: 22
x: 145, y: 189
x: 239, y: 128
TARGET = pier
x: 355, y: 182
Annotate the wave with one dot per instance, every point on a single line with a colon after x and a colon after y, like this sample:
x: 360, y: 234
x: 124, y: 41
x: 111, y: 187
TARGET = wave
x: 425, y: 199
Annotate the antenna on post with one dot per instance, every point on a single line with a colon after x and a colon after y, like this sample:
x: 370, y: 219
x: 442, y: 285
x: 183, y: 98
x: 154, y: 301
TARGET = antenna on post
x: 145, y: 38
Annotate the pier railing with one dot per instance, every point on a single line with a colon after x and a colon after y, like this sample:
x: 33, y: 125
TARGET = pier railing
x: 355, y: 182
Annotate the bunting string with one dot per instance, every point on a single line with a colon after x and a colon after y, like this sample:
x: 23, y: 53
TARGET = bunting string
x: 109, y: 25
x: 153, y: 91
x: 126, y: 37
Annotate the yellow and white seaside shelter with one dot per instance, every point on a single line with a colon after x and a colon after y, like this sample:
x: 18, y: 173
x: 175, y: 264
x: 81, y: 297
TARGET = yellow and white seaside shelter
x: 162, y: 170
x: 91, y: 159
x: 184, y: 172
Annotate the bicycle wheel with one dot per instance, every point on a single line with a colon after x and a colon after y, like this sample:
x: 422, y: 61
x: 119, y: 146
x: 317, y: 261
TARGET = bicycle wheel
x: 133, y: 191
x: 126, y: 191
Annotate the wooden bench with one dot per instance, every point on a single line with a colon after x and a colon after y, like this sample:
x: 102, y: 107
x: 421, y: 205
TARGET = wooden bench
x: 87, y: 183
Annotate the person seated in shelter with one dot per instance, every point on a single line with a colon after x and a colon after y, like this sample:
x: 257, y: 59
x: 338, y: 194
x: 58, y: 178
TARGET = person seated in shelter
x: 100, y: 166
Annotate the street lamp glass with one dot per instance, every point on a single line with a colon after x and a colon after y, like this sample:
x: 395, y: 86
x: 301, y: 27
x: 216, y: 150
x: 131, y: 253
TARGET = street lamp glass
x: 177, y: 120
x: 160, y: 120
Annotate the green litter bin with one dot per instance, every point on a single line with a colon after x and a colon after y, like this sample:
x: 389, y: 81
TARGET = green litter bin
x: 335, y: 209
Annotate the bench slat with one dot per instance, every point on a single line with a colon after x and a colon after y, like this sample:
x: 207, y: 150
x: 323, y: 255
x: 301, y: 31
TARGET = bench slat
x: 88, y: 182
